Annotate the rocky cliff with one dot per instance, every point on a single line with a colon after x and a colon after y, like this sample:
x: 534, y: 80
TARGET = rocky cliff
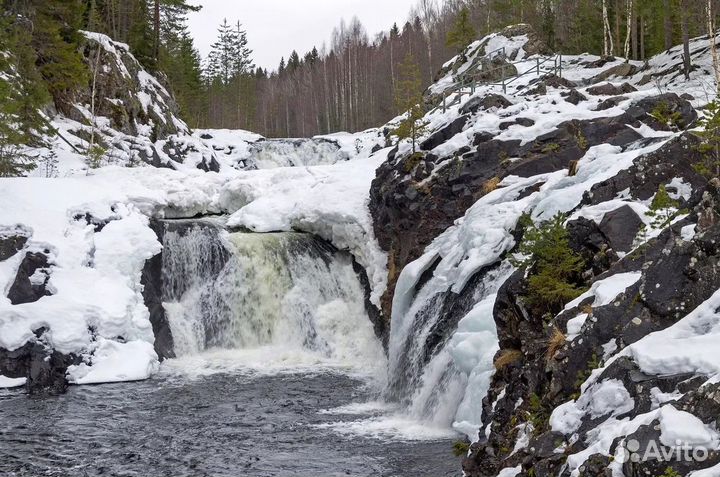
x: 589, y: 388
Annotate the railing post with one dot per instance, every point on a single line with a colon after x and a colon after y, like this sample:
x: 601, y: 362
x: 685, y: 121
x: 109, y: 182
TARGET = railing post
x: 560, y: 65
x: 538, y: 65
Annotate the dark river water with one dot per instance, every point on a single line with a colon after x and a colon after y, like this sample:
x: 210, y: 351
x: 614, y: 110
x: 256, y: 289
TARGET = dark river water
x: 217, y: 425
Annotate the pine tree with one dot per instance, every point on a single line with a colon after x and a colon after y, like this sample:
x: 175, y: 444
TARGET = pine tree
x: 462, y: 33
x: 408, y: 98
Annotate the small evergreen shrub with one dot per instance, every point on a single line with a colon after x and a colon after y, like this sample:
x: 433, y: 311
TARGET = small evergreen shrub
x: 667, y: 116
x: 554, y: 269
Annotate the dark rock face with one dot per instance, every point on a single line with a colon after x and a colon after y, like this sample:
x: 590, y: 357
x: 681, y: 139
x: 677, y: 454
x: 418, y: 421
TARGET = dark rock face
x: 444, y: 133
x: 152, y: 282
x: 43, y: 367
x: 665, y: 104
x: 31, y: 279
x: 645, y: 176
x: 209, y: 166
x: 119, y: 80
x: 12, y: 241
x: 544, y: 378
x: 407, y: 214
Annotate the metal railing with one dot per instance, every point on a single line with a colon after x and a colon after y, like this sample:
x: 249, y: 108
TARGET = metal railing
x: 467, y: 80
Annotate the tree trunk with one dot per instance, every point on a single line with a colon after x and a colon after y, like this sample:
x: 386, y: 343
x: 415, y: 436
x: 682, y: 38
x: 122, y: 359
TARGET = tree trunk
x: 628, y: 12
x: 685, y: 38
x: 667, y: 24
x: 713, y: 45
x: 608, y: 47
x: 156, y: 26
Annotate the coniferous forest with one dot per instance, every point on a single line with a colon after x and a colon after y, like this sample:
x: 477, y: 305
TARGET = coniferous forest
x: 347, y: 84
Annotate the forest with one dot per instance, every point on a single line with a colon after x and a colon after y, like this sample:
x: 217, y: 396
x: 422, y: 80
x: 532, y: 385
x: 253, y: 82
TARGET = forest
x: 350, y: 83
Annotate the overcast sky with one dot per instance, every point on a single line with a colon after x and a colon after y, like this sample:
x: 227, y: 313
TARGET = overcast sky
x: 276, y: 27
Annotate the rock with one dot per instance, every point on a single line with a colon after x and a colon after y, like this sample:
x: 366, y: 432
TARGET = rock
x: 12, y: 240
x: 675, y: 111
x: 674, y: 159
x: 621, y: 226
x: 208, y: 166
x: 610, y: 103
x: 444, y: 133
x: 609, y: 89
x: 43, y: 367
x: 526, y: 122
x: 485, y: 103
x: 623, y: 69
x: 599, y: 63
x: 31, y: 279
x: 121, y: 83
x: 575, y: 97
x: 152, y: 283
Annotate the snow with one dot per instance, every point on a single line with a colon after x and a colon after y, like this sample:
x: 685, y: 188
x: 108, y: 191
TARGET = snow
x: 6, y: 382
x: 113, y: 361
x: 680, y: 428
x: 608, y: 398
x: 687, y: 233
x: 688, y: 346
x: 510, y: 471
x: 606, y: 290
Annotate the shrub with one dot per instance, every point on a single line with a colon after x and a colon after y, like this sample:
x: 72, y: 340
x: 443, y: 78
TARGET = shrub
x: 667, y: 116
x: 554, y: 268
x: 460, y: 448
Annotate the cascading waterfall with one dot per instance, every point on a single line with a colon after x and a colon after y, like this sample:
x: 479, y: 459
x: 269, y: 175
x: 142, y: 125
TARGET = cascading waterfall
x: 241, y: 291
x: 441, y: 348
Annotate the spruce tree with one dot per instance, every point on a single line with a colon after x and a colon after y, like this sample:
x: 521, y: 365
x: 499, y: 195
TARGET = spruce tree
x: 242, y: 63
x: 408, y: 99
x: 221, y: 60
x: 462, y: 32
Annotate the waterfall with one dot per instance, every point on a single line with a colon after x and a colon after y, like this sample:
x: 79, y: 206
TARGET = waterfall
x: 442, y: 344
x: 271, y: 153
x: 245, y: 291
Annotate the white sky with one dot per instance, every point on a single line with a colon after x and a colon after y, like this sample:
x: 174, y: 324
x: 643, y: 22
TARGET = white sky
x: 276, y: 27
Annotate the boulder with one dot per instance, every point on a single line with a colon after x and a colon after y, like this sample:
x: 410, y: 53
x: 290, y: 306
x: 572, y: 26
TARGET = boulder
x: 574, y: 97
x: 484, y: 103
x: 444, y: 133
x: 31, y: 279
x: 621, y: 226
x: 609, y: 89
x: 12, y: 240
x: 623, y: 69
